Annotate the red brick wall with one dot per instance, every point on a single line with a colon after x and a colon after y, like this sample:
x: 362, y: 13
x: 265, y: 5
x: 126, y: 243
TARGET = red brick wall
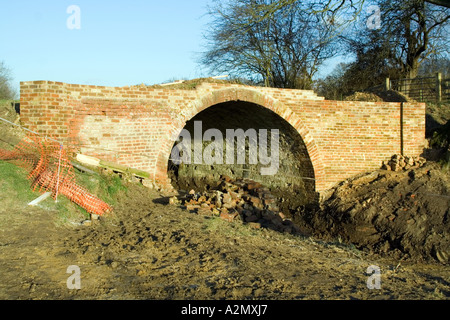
x: 134, y: 125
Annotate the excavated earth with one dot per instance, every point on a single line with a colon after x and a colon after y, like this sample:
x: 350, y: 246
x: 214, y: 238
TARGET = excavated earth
x: 402, y: 214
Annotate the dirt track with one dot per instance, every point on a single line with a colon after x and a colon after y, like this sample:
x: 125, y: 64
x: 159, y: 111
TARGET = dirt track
x: 150, y: 250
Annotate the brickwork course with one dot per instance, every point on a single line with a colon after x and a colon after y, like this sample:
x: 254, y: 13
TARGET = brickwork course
x: 136, y: 125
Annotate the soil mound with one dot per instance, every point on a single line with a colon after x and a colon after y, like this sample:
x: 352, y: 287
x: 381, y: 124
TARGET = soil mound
x: 363, y: 96
x: 379, y: 96
x: 404, y: 214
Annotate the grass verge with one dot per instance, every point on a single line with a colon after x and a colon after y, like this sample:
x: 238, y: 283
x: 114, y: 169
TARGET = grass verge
x: 15, y: 192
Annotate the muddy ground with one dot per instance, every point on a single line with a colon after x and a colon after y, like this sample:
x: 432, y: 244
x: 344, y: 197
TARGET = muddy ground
x: 151, y: 250
x: 148, y: 249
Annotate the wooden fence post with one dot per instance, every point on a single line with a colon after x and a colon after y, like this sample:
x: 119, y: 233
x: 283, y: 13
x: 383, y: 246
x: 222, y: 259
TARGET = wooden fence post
x: 387, y: 85
x: 438, y: 87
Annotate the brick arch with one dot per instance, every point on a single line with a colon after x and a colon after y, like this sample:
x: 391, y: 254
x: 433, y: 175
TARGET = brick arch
x: 240, y: 94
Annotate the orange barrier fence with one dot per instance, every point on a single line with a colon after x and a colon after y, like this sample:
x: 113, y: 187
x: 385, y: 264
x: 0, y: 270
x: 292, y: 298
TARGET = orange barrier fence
x: 51, y: 171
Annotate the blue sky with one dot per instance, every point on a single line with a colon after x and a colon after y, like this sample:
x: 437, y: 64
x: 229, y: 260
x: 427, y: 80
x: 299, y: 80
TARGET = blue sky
x: 120, y: 42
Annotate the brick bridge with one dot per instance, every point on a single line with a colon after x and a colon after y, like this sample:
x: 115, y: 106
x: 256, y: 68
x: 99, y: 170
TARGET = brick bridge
x: 323, y: 141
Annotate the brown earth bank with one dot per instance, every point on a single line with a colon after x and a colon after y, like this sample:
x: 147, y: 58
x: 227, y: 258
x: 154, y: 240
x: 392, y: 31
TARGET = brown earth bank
x: 402, y: 214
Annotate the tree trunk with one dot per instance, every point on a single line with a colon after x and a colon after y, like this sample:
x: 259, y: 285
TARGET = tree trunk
x: 411, y: 73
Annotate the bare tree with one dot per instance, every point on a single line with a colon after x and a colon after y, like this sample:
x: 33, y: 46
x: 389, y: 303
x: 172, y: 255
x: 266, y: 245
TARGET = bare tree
x: 333, y: 86
x: 433, y: 65
x: 414, y: 30
x: 444, y: 3
x: 282, y: 49
x: 331, y: 8
x: 6, y: 90
x: 410, y: 32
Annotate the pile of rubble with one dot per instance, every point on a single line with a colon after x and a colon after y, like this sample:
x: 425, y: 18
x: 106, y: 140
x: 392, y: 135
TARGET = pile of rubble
x: 399, y: 162
x: 241, y: 199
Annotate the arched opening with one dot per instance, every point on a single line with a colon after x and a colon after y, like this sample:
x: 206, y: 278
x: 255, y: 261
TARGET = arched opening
x: 292, y: 175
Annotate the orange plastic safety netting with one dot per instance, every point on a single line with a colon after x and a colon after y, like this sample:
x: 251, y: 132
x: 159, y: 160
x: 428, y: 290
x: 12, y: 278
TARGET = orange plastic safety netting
x: 51, y: 171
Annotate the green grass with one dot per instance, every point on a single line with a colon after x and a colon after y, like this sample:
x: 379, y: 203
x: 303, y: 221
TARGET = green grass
x: 16, y: 193
x: 105, y: 187
x: 13, y: 183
